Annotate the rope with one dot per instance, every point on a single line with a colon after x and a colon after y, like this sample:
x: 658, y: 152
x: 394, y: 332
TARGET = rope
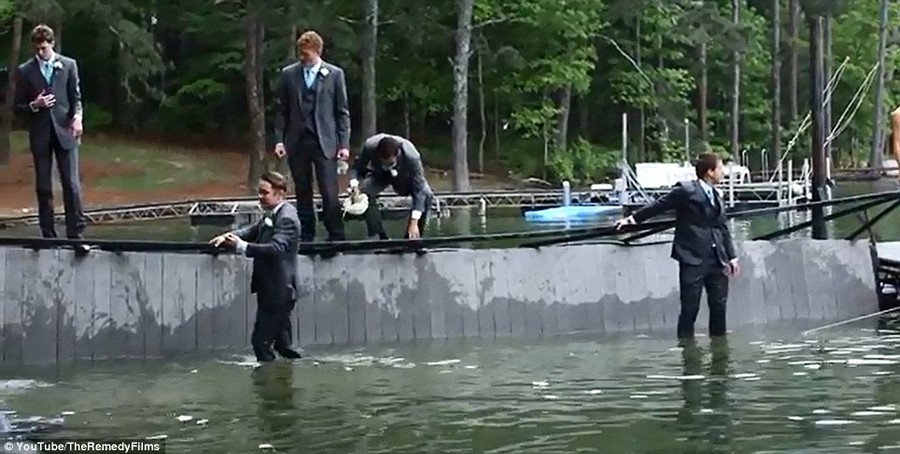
x: 854, y: 319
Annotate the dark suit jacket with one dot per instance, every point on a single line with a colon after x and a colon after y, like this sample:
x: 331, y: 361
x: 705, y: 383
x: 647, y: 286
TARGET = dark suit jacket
x: 64, y: 84
x: 332, y: 113
x: 273, y: 249
x: 698, y: 224
x: 410, y: 179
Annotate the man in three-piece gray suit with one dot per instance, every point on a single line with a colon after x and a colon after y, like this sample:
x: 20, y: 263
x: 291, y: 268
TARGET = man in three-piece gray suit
x: 389, y: 160
x: 312, y: 127
x: 272, y: 243
x: 49, y: 96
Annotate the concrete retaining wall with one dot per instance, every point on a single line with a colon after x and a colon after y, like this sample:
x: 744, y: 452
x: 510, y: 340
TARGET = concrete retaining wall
x: 56, y: 307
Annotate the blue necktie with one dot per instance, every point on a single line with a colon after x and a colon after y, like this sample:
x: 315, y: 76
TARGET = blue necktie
x: 709, y: 193
x: 309, y: 76
x: 47, y: 70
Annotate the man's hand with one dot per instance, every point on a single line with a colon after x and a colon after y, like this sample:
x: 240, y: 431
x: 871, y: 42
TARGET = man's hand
x: 44, y: 101
x: 412, y: 229
x: 624, y: 221
x: 76, y: 127
x: 732, y: 269
x: 228, y: 239
x: 343, y: 154
x: 279, y: 150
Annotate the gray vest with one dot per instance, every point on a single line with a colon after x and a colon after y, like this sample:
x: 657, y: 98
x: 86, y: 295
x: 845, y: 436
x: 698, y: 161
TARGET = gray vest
x: 308, y: 104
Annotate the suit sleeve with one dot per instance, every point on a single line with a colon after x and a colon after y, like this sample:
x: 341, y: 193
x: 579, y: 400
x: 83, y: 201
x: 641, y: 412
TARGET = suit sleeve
x: 74, y: 91
x: 675, y: 198
x: 248, y: 232
x: 420, y: 190
x: 360, y: 167
x: 285, y: 230
x: 20, y: 98
x: 341, y: 112
x: 728, y: 241
x: 282, y: 107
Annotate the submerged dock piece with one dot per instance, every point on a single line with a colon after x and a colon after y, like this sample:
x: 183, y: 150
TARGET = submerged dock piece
x: 57, y: 307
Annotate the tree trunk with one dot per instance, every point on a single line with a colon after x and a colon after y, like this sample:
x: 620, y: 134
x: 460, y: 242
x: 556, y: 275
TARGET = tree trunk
x: 703, y: 94
x: 461, y: 95
x: 562, y: 119
x: 826, y: 40
x: 584, y: 117
x: 252, y: 70
x: 407, y: 127
x: 776, y: 81
x: 875, y: 160
x: 736, y: 87
x: 496, y: 125
x: 370, y: 47
x: 6, y: 117
x: 642, y: 119
x: 482, y: 114
x: 794, y: 31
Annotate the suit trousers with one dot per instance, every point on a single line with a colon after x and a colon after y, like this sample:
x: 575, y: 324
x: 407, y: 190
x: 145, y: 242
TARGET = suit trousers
x: 692, y: 280
x: 67, y: 164
x: 372, y: 187
x: 272, y: 328
x: 302, y: 158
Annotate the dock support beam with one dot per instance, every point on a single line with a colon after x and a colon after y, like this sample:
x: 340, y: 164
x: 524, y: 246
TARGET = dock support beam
x: 816, y: 100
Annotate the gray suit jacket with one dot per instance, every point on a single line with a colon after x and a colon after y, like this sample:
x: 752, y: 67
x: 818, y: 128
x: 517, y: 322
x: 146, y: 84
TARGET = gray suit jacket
x: 410, y: 179
x: 64, y: 84
x: 699, y: 225
x: 332, y: 113
x: 273, y: 242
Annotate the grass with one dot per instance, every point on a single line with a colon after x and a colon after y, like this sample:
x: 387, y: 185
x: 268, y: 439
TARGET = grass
x: 116, y: 164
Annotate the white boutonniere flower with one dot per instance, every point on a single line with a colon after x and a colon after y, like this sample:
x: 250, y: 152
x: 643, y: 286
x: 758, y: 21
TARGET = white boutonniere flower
x: 267, y: 222
x: 57, y: 64
x: 393, y: 172
x: 324, y: 71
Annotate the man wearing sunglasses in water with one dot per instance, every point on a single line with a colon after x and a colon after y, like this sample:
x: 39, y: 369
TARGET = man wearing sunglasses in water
x: 389, y: 160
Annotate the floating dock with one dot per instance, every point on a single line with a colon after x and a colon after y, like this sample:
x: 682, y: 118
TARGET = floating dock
x: 58, y: 307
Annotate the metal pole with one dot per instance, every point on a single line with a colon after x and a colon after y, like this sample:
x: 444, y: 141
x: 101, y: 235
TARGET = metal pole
x: 623, y: 186
x: 816, y: 100
x: 790, y: 185
x: 687, y: 140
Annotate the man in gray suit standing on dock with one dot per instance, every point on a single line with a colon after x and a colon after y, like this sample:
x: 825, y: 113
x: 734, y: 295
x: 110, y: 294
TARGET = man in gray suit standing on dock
x: 702, y: 245
x: 389, y: 160
x: 312, y: 128
x: 272, y: 243
x: 49, y: 96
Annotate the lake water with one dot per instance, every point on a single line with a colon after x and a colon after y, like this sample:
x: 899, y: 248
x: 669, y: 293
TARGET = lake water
x: 765, y: 391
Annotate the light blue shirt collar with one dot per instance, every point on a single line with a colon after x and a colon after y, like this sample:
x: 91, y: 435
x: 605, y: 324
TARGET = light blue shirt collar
x: 709, y: 190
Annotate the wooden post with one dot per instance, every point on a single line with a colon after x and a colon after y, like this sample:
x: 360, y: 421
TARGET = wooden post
x: 816, y: 101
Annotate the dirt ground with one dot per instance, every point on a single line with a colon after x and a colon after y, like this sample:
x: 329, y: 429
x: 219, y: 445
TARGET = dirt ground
x: 17, y: 194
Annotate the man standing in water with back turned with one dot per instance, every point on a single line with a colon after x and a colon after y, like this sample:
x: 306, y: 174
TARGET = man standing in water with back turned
x: 702, y: 246
x: 312, y: 128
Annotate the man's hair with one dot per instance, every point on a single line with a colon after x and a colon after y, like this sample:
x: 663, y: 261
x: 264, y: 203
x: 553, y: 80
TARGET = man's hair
x: 706, y: 162
x: 277, y: 180
x: 387, y: 148
x: 42, y: 34
x: 310, y: 40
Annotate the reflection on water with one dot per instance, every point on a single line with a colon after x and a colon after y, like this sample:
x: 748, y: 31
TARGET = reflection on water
x: 766, y: 391
x: 500, y: 220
